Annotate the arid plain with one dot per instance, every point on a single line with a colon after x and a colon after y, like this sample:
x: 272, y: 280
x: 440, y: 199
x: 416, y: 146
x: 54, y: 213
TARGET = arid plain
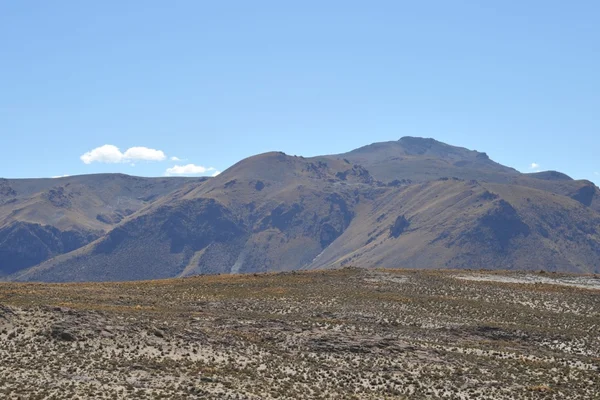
x: 345, y: 333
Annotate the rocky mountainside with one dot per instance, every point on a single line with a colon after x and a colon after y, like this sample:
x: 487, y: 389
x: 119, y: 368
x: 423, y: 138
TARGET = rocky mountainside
x: 411, y: 203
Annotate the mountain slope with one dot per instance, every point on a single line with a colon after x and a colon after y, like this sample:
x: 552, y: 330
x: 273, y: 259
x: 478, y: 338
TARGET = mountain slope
x: 232, y: 223
x: 461, y: 224
x: 41, y: 218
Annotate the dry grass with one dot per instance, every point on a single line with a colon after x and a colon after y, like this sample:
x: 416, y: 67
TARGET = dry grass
x: 349, y: 333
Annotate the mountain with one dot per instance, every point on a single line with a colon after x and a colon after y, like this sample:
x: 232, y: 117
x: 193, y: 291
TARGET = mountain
x: 417, y: 160
x: 411, y: 203
x: 42, y: 218
x: 421, y: 160
x: 268, y: 212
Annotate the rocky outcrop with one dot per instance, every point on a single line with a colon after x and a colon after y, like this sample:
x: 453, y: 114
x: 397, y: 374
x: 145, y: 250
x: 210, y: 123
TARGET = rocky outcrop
x: 498, y: 227
x: 585, y: 195
x: 399, y: 226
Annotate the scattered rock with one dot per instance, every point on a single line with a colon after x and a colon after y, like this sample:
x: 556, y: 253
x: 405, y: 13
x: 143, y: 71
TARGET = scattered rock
x: 5, y: 311
x: 158, y: 333
x: 60, y: 332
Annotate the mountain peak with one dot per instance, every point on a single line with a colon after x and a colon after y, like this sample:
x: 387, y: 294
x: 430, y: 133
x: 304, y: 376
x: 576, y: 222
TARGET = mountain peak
x: 419, y: 140
x: 420, y: 145
x: 424, y: 159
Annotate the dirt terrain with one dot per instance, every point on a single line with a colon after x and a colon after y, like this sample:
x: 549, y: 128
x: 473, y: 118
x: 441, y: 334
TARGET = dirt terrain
x: 339, y: 334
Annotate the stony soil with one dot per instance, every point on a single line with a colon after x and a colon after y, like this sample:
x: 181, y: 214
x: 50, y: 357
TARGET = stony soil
x: 342, y: 334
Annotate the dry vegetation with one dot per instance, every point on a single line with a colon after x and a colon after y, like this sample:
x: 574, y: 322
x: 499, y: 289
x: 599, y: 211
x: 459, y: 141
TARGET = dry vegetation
x: 342, y: 334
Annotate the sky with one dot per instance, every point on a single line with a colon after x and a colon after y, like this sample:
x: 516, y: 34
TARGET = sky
x: 156, y: 88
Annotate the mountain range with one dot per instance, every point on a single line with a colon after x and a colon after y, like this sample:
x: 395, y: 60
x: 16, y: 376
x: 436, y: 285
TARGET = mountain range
x: 413, y: 203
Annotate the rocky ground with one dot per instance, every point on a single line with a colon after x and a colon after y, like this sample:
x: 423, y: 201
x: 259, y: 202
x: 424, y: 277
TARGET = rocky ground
x: 342, y: 334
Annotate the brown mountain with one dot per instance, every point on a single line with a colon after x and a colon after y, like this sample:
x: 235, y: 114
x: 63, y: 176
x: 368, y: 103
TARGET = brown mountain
x: 41, y: 218
x: 421, y: 160
x: 414, y: 160
x: 411, y: 203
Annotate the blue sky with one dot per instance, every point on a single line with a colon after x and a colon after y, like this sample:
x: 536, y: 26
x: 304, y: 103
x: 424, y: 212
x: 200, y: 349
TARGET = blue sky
x: 213, y: 82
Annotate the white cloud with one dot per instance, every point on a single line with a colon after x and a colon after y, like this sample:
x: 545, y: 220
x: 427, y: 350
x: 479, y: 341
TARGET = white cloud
x: 106, y: 154
x: 111, y: 154
x: 175, y: 158
x: 60, y: 176
x: 144, y: 153
x: 189, y: 169
x: 216, y: 173
x: 534, y: 166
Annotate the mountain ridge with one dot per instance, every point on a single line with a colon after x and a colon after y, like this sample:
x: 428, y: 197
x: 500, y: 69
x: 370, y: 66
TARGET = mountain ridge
x: 411, y: 203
